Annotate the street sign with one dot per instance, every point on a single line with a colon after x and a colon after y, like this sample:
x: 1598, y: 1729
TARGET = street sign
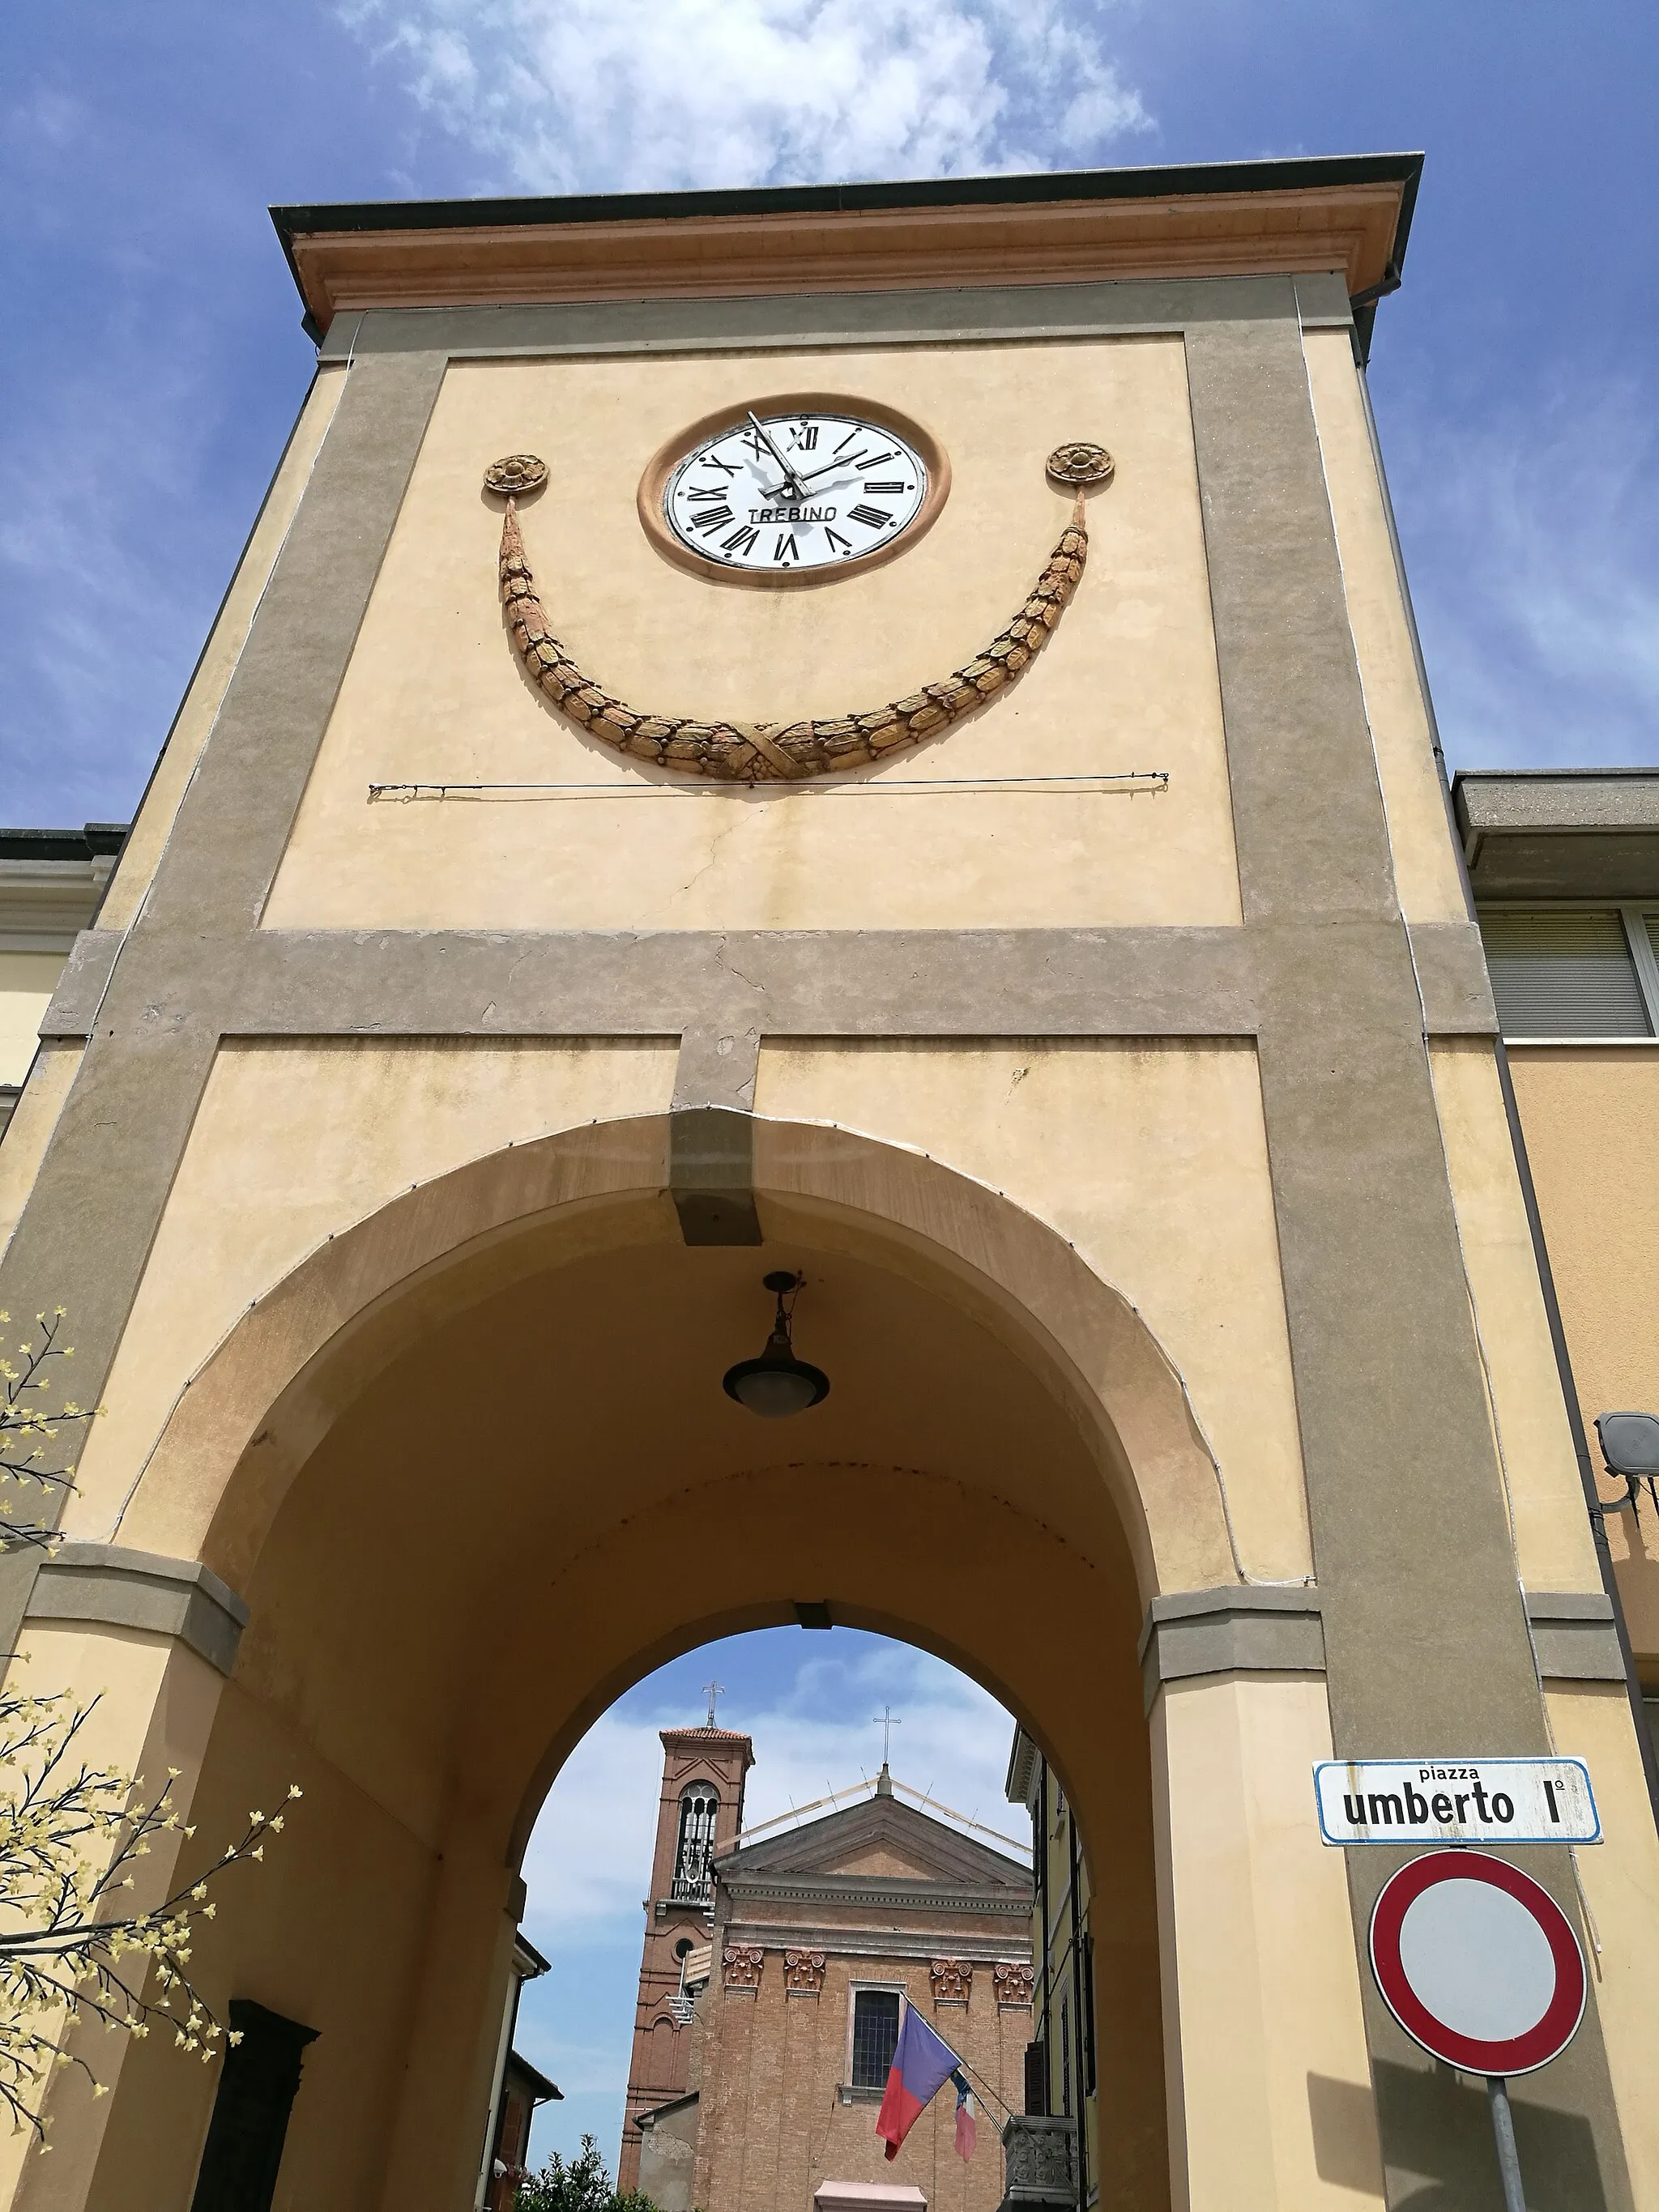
x: 1456, y: 1800
x: 1478, y: 1963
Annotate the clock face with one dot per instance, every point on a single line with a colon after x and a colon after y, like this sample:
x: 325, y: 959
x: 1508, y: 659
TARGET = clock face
x: 772, y: 495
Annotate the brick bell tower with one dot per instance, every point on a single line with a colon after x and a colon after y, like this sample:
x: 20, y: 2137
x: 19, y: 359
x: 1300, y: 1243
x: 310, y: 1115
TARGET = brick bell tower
x: 699, y: 1813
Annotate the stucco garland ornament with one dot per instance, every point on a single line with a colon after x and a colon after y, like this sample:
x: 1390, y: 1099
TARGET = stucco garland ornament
x: 780, y: 752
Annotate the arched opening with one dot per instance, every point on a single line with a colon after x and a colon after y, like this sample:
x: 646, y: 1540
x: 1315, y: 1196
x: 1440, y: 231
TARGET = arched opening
x: 508, y: 1483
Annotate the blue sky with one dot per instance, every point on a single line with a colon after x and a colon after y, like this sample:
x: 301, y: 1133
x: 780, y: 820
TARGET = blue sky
x: 154, y: 363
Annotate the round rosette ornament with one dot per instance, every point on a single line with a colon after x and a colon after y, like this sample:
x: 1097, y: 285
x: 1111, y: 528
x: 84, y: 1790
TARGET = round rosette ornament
x: 515, y: 474
x: 1080, y: 465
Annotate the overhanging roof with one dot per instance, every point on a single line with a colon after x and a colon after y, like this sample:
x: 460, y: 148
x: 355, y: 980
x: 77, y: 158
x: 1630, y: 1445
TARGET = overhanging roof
x: 1559, y: 833
x: 1350, y: 212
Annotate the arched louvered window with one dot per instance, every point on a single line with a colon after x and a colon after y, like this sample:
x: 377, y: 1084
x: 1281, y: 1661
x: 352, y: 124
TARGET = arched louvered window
x: 696, y: 1844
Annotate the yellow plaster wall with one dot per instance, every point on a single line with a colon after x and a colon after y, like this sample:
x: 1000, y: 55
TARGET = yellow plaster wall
x: 1620, y: 1878
x: 1554, y: 1548
x: 1590, y: 1115
x: 29, y: 1131
x: 295, y: 1141
x: 136, y: 869
x: 28, y: 981
x: 1261, y: 1984
x: 329, y: 1930
x: 1149, y: 1157
x: 154, y: 1708
x: 1426, y: 875
x: 434, y: 693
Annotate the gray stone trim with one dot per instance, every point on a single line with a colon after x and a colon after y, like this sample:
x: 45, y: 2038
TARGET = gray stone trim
x: 86, y: 1232
x: 711, y: 1175
x: 807, y: 321
x: 74, y: 1009
x: 1425, y: 1640
x: 722, y: 991
x: 1452, y: 978
x: 1574, y: 1637
x: 717, y: 1067
x: 106, y: 1583
x: 1248, y: 1628
x: 1389, y: 1386
x: 1322, y: 302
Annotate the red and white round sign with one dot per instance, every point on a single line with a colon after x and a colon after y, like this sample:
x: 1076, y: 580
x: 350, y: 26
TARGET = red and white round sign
x: 1478, y: 1963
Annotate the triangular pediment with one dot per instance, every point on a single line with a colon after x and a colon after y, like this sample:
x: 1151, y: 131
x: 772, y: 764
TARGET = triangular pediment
x: 882, y: 1840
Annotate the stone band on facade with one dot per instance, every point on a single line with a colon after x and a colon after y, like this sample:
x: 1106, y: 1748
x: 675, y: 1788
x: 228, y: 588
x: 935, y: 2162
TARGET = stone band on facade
x: 1574, y: 1637
x: 1245, y: 1628
x: 122, y: 1588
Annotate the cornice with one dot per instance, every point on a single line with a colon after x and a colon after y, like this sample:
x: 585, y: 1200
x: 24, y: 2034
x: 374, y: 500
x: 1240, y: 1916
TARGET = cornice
x: 1232, y: 219
x: 914, y: 1944
x: 45, y: 903
x: 923, y: 1897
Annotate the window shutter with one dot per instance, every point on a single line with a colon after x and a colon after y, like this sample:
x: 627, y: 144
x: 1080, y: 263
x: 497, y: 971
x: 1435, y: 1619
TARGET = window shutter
x: 1564, y: 974
x: 1036, y: 2078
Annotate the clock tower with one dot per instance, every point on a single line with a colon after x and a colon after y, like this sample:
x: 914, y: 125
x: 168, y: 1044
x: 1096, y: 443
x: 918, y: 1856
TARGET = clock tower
x: 872, y: 737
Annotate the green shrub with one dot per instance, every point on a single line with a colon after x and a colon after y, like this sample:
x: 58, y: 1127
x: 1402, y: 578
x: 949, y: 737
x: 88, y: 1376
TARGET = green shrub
x: 577, y: 2185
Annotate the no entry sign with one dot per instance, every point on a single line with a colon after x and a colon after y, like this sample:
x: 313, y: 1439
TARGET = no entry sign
x: 1478, y: 1963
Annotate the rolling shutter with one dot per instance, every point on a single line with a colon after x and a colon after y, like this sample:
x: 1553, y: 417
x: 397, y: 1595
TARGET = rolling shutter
x: 1564, y: 974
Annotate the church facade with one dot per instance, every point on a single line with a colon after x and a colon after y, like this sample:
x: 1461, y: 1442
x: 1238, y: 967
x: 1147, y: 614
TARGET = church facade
x: 778, y: 2037
x: 870, y: 737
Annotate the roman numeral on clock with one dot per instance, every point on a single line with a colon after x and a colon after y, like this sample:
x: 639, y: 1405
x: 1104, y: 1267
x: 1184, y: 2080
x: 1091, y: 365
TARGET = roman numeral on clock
x: 742, y: 540
x: 872, y: 517
x: 711, y: 491
x: 842, y: 545
x: 711, y: 461
x: 711, y: 518
x: 888, y: 484
x: 805, y: 441
x: 786, y: 549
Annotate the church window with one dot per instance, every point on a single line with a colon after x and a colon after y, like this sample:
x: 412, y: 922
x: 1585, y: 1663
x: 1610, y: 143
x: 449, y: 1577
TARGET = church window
x: 875, y: 2036
x: 696, y: 1844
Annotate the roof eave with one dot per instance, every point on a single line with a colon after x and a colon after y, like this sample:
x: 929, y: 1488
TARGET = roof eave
x: 800, y: 213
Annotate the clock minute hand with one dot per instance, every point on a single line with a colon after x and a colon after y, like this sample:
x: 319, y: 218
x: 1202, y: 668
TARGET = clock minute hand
x: 851, y: 461
x: 789, y: 475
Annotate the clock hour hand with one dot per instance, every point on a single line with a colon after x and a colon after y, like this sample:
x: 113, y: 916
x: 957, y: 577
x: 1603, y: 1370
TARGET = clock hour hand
x: 789, y: 474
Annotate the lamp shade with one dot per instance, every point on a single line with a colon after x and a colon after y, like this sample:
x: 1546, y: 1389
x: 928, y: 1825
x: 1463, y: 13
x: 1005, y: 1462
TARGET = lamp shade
x: 777, y: 1384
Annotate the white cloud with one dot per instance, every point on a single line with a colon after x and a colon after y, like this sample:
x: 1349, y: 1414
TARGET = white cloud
x: 1533, y: 535
x: 583, y: 95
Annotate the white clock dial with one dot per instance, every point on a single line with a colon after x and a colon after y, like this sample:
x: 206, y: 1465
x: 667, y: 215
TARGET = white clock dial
x: 776, y: 493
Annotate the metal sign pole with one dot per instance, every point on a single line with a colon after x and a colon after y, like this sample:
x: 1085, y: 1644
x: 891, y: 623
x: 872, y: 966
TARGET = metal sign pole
x: 1503, y: 2128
